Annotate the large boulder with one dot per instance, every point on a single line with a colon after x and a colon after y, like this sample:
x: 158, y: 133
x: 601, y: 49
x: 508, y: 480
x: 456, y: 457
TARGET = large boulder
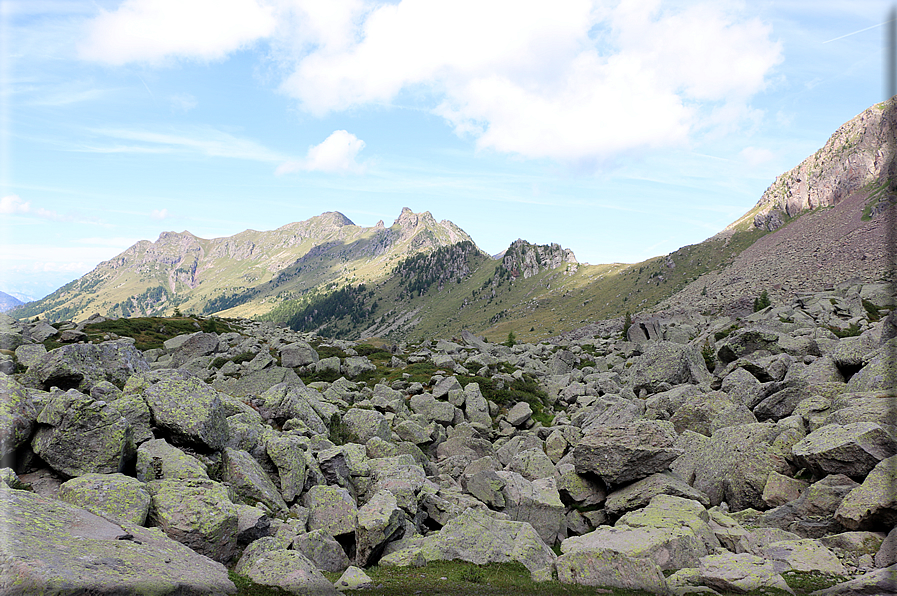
x: 331, y: 509
x: 116, y: 497
x: 266, y: 564
x: 379, y: 521
x: 323, y: 550
x: 734, y: 463
x: 17, y: 417
x: 157, y: 460
x: 298, y: 353
x: 665, y: 364
x: 537, y: 503
x: 79, y: 435
x: 608, y: 568
x: 623, y: 454
x: 872, y: 505
x: 366, y: 424
x: 639, y: 494
x: 852, y: 449
x: 479, y: 537
x: 81, y: 366
x: 197, y: 513
x: 288, y: 454
x: 250, y: 482
x: 50, y: 546
x: 185, y: 348
x: 812, y: 514
x: 183, y: 405
x: 286, y: 401
x: 740, y: 573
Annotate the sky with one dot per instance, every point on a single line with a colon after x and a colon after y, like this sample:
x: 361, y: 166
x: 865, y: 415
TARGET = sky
x: 619, y: 129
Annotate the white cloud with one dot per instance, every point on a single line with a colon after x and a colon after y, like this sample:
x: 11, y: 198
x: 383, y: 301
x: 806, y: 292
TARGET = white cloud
x: 155, y: 30
x: 204, y: 140
x: 572, y: 81
x: 336, y: 154
x: 755, y: 156
x: 13, y: 204
x: 160, y: 214
x: 183, y: 102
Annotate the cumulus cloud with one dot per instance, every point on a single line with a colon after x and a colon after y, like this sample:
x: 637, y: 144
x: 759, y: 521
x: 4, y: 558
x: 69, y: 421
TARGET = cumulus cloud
x: 13, y: 205
x: 575, y: 81
x: 155, y: 30
x: 336, y: 154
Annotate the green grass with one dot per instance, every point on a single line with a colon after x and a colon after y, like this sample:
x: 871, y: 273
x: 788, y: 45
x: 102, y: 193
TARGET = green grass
x: 149, y: 332
x: 459, y: 578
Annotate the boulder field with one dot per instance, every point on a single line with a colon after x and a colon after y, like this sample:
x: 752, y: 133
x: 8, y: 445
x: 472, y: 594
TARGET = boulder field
x: 698, y: 454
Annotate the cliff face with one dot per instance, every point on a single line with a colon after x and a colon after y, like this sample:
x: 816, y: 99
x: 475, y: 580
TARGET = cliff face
x: 862, y: 154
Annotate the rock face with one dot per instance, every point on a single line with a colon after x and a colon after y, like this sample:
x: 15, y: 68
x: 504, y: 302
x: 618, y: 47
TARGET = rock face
x: 619, y: 455
x: 50, y: 545
x: 833, y: 173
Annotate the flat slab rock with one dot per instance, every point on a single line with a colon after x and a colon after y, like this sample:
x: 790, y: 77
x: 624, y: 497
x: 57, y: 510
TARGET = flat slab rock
x: 51, y: 547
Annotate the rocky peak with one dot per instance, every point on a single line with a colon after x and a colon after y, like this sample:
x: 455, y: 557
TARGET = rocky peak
x: 860, y: 155
x: 525, y: 259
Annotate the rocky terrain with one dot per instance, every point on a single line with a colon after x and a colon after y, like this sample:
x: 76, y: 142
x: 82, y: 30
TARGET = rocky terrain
x: 700, y: 454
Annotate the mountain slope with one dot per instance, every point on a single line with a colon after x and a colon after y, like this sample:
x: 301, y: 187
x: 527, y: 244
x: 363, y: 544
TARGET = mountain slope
x: 8, y: 302
x: 247, y: 273
x: 821, y: 223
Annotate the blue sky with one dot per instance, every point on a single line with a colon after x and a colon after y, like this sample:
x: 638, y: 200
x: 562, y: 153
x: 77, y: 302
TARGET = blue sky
x: 619, y: 129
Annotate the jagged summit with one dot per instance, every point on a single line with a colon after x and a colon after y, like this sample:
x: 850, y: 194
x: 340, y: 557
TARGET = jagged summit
x: 860, y: 156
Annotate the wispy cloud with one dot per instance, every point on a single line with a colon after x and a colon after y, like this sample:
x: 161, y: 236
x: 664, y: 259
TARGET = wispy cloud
x: 336, y: 154
x: 183, y: 102
x: 203, y: 140
x: 14, y: 205
x: 160, y: 214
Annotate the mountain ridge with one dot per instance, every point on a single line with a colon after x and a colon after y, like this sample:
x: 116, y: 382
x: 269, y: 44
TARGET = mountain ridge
x: 534, y: 291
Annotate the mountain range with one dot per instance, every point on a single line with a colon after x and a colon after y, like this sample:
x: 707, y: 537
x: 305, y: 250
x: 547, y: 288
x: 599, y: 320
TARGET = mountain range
x: 822, y: 223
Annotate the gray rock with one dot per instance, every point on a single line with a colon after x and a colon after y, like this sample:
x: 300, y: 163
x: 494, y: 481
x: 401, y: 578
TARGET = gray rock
x: 401, y: 475
x: 197, y: 513
x: 353, y: 578
x: 708, y: 412
x: 81, y: 366
x: 323, y: 550
x: 781, y: 489
x: 286, y: 451
x: 811, y: 515
x: 78, y: 435
x: 379, y: 521
x: 519, y: 414
x: 257, y: 382
x: 250, y: 482
x: 668, y: 363
x: 157, y: 460
x: 806, y: 555
x: 538, y: 503
x: 288, y: 570
x: 748, y: 341
x: 622, y: 454
x: 880, y: 581
x: 740, y: 573
x: 639, y: 493
x: 183, y: 405
x: 190, y: 347
x: 253, y: 523
x: 852, y: 449
x: 366, y: 424
x: 478, y: 537
x: 53, y: 547
x: 743, y: 387
x: 735, y: 463
x: 298, y: 353
x: 879, y: 374
x: 331, y: 509
x: 116, y: 497
x: 874, y: 502
x: 30, y: 354
x: 446, y: 385
x: 886, y: 555
x: 17, y: 417
x: 355, y: 366
x: 486, y: 486
x: 434, y: 411
x: 532, y: 464
x: 610, y: 568
x: 476, y: 408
